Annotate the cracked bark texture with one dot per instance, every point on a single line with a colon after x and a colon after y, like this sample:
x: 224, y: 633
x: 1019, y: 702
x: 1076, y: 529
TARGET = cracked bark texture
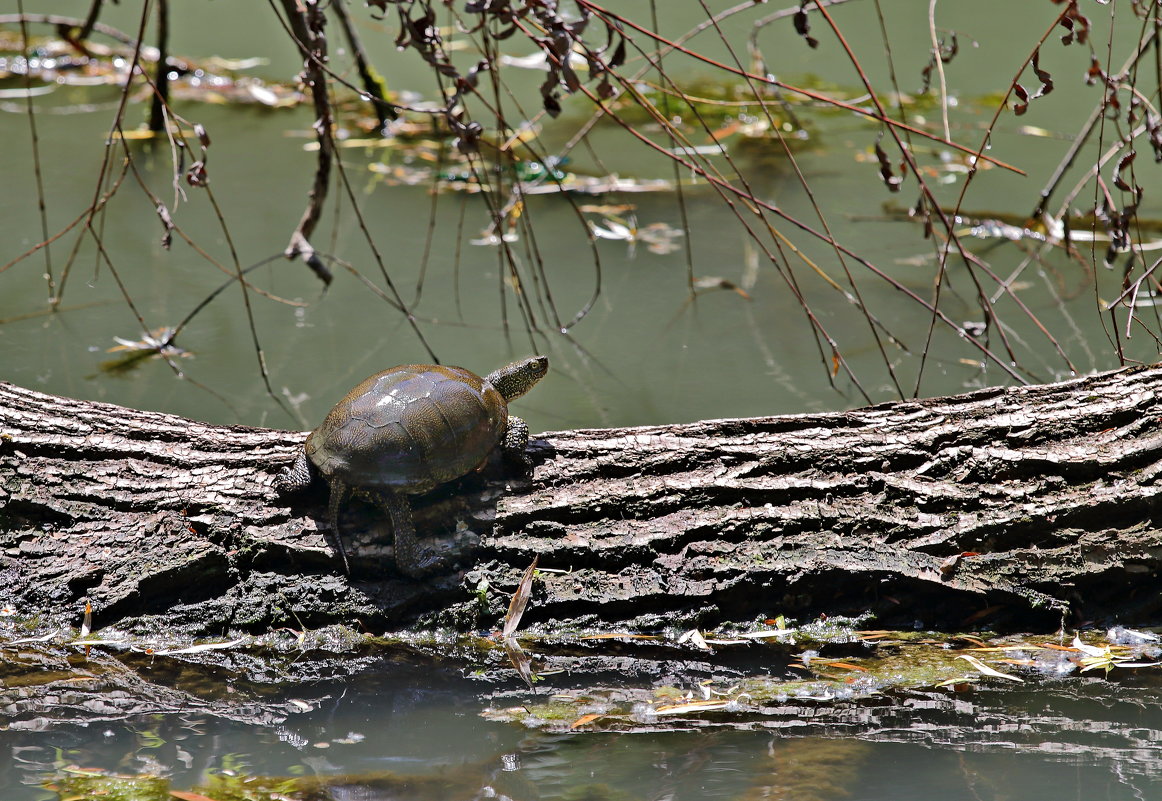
x: 1021, y: 507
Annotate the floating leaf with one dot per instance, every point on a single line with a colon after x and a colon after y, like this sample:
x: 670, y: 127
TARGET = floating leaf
x: 840, y: 665
x: 584, y: 720
x: 620, y: 634
x: 185, y: 795
x: 694, y: 637
x: 766, y: 635
x: 988, y: 671
x: 1090, y: 650
x: 193, y: 649
x: 693, y: 706
x: 716, y: 282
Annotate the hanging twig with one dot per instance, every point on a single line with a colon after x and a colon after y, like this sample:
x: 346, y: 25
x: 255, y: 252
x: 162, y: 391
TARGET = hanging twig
x: 161, y: 82
x: 306, y: 22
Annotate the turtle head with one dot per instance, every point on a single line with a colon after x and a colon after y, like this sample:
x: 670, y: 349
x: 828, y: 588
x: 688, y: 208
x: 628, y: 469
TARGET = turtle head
x: 516, y: 379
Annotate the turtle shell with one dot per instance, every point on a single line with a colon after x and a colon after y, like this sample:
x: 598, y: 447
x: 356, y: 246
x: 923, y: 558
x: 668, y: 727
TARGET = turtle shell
x: 410, y: 429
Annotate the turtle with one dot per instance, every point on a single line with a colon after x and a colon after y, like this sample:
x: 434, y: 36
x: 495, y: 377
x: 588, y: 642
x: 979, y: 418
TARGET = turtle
x: 407, y: 430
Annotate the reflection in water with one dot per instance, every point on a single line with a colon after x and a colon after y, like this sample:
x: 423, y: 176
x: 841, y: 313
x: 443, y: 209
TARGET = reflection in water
x: 810, y: 769
x: 383, y: 736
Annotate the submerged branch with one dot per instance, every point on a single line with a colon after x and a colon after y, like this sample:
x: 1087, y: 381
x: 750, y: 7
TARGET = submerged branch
x: 372, y: 84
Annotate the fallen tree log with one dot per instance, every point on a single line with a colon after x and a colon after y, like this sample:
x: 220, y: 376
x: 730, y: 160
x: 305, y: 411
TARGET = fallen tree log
x: 1021, y: 507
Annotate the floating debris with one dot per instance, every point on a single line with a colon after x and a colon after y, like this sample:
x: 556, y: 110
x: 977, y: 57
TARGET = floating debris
x: 158, y: 342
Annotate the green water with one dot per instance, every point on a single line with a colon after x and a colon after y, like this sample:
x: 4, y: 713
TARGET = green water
x: 645, y: 353
x: 412, y: 733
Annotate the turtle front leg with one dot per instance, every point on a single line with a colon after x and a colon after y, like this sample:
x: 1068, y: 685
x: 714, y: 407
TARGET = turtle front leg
x: 295, y: 478
x: 410, y: 557
x: 516, y: 439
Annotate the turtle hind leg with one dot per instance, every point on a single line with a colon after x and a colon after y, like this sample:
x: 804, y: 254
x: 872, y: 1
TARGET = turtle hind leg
x: 410, y: 557
x: 338, y: 495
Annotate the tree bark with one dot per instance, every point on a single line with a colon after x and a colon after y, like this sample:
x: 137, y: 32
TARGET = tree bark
x: 1023, y: 507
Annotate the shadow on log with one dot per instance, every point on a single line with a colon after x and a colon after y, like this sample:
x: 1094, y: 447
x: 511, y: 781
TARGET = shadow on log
x: 1023, y: 507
